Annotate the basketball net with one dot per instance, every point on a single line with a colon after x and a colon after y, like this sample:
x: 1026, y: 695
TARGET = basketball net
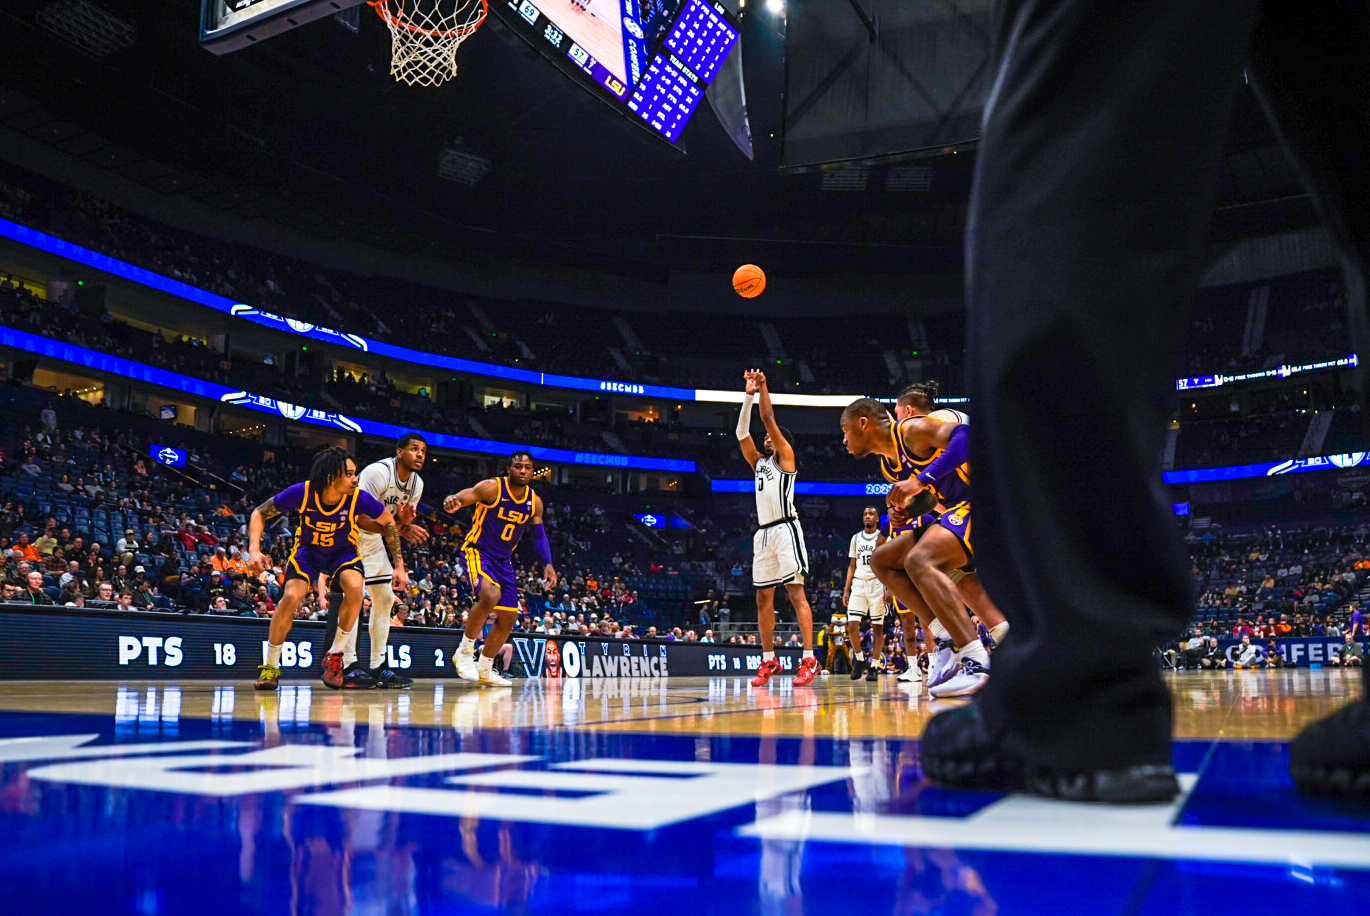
x: 425, y: 36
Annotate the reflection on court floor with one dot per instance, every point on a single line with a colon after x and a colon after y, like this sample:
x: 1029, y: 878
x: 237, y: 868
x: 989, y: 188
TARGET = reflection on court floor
x: 608, y: 796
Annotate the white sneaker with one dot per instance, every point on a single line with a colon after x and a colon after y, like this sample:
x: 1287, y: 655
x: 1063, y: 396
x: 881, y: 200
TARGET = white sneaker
x: 943, y: 664
x: 466, y: 666
x: 998, y: 633
x: 968, y: 679
x: 493, y: 678
x: 911, y: 676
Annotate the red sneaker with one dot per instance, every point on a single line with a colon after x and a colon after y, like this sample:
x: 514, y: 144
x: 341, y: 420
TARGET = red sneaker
x: 808, y: 670
x: 764, y: 672
x: 333, y: 670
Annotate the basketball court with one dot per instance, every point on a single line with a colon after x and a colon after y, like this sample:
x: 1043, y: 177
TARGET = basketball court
x: 703, y: 795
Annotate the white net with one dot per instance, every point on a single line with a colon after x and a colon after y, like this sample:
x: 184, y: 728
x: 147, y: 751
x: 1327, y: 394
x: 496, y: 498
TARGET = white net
x: 425, y: 36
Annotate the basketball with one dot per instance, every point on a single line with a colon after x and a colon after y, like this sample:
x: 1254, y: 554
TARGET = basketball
x: 749, y: 281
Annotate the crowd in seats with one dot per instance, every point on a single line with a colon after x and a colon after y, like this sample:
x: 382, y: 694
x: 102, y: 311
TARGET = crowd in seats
x: 1264, y: 586
x: 85, y: 507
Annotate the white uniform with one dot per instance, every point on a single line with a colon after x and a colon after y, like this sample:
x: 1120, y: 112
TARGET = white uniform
x: 778, y: 554
x: 948, y: 415
x: 867, y: 594
x: 381, y: 481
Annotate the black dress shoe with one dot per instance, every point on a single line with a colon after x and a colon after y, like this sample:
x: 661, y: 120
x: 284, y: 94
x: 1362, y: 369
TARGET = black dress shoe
x: 959, y: 750
x: 358, y: 677
x: 386, y: 678
x: 1331, y: 757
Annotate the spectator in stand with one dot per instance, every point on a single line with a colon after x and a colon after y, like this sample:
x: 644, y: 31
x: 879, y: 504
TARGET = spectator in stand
x: 1248, y: 655
x: 1348, y: 654
x: 1214, y: 658
x: 11, y: 590
x: 34, y: 594
x: 401, y: 616
x: 104, y: 591
x: 1192, y: 650
x: 56, y: 564
x: 25, y: 549
x: 144, y: 598
x: 125, y: 601
x: 127, y: 546
x: 1274, y: 656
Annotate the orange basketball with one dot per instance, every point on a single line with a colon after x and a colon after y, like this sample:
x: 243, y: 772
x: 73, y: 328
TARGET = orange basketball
x: 749, y: 281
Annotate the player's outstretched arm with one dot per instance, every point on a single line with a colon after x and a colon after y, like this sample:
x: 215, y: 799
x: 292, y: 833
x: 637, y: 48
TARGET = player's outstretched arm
x: 784, y: 450
x: 487, y: 492
x: 744, y: 420
x: 542, y: 545
x: 256, y: 524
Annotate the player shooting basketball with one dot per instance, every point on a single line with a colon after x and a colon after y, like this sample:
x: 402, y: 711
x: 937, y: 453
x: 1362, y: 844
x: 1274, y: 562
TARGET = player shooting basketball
x: 778, y: 554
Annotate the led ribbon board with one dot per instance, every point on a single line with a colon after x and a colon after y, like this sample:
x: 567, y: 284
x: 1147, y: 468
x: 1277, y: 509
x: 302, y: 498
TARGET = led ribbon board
x: 114, y: 365
x: 152, y: 280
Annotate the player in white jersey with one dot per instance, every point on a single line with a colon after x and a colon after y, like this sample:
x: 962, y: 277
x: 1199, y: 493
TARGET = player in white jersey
x: 864, y: 597
x: 397, y: 484
x: 778, y: 554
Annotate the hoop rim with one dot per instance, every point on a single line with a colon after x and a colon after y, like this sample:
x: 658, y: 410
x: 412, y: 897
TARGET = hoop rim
x: 394, y: 20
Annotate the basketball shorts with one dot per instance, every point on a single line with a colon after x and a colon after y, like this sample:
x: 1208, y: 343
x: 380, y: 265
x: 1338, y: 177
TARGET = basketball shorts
x: 486, y: 572
x: 309, y: 564
x: 778, y: 555
x: 957, y: 521
x: 867, y: 599
x: 377, y: 567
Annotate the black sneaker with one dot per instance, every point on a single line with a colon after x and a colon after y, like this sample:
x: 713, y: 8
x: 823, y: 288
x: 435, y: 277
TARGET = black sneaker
x: 385, y: 677
x: 872, y: 672
x: 358, y: 677
x: 858, y: 667
x: 1331, y: 757
x: 958, y: 750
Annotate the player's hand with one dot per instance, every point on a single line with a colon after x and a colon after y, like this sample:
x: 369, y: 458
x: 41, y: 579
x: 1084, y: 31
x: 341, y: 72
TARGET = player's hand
x: 760, y: 378
x: 399, y: 581
x: 405, y: 513
x: 413, y: 534
x: 898, y: 516
x: 322, y: 593
x: 256, y: 563
x: 846, y: 597
x: 902, y: 492
x: 549, y: 576
x: 451, y: 504
x: 749, y: 377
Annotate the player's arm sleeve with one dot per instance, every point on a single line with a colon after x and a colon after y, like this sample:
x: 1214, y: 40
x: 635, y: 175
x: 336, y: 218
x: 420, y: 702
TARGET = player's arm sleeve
x: 290, y: 499
x: 369, y: 505
x: 952, y: 457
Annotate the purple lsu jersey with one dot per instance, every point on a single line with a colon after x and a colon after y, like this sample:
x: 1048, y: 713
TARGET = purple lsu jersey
x: 326, y: 536
x: 951, y: 490
x: 497, y: 527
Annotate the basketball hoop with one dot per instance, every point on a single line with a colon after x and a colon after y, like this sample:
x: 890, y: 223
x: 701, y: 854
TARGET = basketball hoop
x: 425, y: 36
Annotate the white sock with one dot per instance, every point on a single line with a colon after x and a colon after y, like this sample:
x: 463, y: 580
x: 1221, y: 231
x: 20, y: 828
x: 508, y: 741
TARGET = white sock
x: 485, y: 665
x: 860, y: 656
x: 340, y: 640
x: 938, y: 631
x: 273, y: 655
x: 768, y: 656
x: 808, y: 653
x: 468, y: 645
x: 977, y: 651
x: 999, y: 631
x: 349, y: 653
x: 382, y: 600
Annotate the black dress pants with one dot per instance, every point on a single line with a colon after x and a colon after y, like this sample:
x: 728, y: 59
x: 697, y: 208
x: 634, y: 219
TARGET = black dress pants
x: 1095, y: 185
